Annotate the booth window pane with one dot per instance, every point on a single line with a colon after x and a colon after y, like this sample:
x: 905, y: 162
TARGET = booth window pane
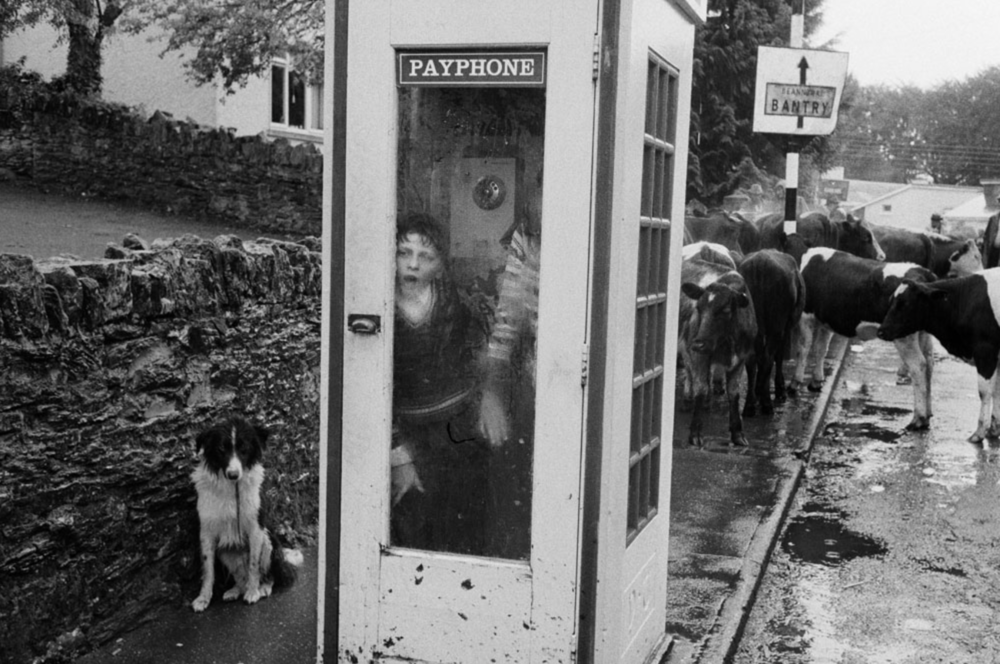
x: 469, y: 176
x: 651, y: 295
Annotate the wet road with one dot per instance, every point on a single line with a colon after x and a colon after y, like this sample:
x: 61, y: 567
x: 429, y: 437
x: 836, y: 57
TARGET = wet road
x: 890, y: 553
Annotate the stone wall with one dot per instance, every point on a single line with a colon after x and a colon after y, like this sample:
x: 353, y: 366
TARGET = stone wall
x: 109, y: 151
x: 108, y: 369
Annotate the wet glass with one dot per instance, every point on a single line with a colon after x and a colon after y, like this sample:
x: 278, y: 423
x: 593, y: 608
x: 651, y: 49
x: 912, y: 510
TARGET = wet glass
x: 466, y: 295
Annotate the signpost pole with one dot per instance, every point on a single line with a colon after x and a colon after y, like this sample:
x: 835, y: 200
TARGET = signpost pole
x: 792, y: 158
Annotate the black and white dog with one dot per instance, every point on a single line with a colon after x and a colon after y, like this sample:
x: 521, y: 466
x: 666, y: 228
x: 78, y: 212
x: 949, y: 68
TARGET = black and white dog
x: 228, y: 482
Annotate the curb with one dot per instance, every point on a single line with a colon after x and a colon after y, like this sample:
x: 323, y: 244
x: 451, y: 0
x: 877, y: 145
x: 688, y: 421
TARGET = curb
x: 722, y: 644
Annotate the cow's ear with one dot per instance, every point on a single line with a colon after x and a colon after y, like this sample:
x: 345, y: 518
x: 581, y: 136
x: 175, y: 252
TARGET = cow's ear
x: 693, y: 291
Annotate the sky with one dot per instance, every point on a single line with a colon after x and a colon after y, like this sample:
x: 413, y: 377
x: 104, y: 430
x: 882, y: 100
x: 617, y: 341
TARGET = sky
x: 915, y: 42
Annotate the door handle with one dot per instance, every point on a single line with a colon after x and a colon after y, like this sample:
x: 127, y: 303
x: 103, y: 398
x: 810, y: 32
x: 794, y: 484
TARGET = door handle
x: 364, y: 323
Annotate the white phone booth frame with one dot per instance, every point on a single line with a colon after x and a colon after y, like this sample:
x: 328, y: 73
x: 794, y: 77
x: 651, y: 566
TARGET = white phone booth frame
x: 592, y: 589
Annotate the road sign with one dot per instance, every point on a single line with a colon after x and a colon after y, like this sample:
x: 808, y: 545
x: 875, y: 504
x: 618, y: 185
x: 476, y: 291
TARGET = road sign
x: 798, y: 90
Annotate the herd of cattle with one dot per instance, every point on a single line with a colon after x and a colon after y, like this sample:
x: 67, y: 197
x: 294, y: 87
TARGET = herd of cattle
x: 751, y: 291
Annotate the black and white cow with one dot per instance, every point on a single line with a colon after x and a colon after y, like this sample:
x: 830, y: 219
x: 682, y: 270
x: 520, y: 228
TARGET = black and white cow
x: 779, y: 296
x: 844, y: 291
x: 963, y: 314
x: 717, y: 329
x: 934, y: 251
x: 712, y: 253
x: 816, y: 230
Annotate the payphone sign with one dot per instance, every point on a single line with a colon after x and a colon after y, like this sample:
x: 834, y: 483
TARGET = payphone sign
x: 472, y: 69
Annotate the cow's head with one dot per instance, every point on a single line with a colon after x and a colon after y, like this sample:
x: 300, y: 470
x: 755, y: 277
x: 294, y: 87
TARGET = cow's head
x: 909, y: 308
x: 856, y: 238
x: 716, y: 309
x: 966, y: 260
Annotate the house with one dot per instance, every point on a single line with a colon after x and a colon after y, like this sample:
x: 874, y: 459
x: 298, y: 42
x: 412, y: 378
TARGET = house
x: 279, y: 105
x: 970, y: 217
x: 904, y: 205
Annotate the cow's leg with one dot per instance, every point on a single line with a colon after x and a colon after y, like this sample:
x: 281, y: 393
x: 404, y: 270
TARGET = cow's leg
x: 916, y: 365
x: 994, y: 430
x: 753, y: 370
x: 779, y: 370
x: 821, y: 343
x: 803, y: 343
x: 763, y: 388
x: 736, y: 436
x: 985, y: 406
x: 701, y: 378
x: 927, y: 349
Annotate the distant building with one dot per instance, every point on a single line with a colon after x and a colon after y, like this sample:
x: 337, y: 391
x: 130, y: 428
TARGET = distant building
x: 970, y: 217
x: 905, y: 205
x: 277, y: 105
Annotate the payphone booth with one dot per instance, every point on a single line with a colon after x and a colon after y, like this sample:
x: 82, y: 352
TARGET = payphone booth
x: 504, y: 218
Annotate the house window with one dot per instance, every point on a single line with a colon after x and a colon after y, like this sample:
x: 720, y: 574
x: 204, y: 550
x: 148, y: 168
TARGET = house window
x: 296, y: 105
x: 886, y: 208
x: 646, y: 440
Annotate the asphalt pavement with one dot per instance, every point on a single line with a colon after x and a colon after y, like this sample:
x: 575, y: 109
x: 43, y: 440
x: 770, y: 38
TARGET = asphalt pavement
x: 280, y: 629
x: 727, y: 509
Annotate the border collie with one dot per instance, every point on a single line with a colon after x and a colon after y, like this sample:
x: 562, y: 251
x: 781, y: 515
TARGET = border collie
x: 228, y: 481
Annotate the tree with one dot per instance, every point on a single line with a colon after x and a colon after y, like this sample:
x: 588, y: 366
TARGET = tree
x: 951, y: 132
x: 234, y: 40
x: 725, y: 61
x: 82, y: 23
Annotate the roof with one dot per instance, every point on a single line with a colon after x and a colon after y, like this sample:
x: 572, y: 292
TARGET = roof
x: 974, y: 209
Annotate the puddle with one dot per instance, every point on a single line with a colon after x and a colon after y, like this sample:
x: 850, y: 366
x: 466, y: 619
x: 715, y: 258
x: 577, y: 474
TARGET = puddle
x: 891, y: 411
x: 868, y: 430
x: 821, y: 539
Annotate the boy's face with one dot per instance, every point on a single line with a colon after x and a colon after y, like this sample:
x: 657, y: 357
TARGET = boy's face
x: 417, y: 261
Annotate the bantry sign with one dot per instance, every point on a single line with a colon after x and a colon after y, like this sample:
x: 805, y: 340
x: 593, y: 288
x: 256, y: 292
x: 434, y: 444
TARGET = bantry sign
x: 798, y: 90
x: 471, y: 69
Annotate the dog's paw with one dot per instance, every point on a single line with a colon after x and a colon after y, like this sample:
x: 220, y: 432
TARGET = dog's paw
x: 231, y: 594
x: 252, y: 596
x: 200, y: 603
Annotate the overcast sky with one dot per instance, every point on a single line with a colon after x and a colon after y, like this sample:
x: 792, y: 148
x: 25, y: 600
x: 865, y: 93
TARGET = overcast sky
x: 919, y: 42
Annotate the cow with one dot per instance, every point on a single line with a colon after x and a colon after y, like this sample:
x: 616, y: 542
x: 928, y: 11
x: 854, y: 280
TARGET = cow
x: 717, y: 328
x: 816, y: 230
x: 712, y: 253
x: 842, y: 292
x: 778, y: 293
x: 991, y: 241
x: 729, y: 229
x: 963, y: 314
x: 964, y: 261
x: 930, y: 250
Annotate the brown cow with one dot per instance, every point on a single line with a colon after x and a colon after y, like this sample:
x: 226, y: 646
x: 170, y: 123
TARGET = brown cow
x: 717, y: 329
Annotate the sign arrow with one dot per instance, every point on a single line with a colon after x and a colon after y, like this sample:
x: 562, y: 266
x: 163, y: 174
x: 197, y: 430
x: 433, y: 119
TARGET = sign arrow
x: 803, y: 66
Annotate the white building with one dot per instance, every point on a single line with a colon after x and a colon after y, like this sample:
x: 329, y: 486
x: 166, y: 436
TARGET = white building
x: 135, y: 74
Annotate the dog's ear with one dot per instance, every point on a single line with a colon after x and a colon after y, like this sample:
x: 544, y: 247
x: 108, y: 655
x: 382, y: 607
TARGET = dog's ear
x: 205, y: 438
x: 262, y: 435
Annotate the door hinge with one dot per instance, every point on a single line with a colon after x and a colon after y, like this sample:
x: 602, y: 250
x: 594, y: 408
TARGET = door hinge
x: 584, y: 365
x: 597, y: 55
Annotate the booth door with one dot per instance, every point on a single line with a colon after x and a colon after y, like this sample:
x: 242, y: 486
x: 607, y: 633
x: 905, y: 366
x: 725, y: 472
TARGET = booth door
x: 656, y: 44
x: 466, y: 266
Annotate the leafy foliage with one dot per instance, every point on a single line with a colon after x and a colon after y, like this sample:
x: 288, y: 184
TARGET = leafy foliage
x: 83, y: 23
x: 725, y: 61
x: 951, y: 132
x: 235, y: 40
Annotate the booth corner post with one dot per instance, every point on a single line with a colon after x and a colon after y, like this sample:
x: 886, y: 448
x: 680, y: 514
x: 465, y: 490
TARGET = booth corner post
x: 334, y: 212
